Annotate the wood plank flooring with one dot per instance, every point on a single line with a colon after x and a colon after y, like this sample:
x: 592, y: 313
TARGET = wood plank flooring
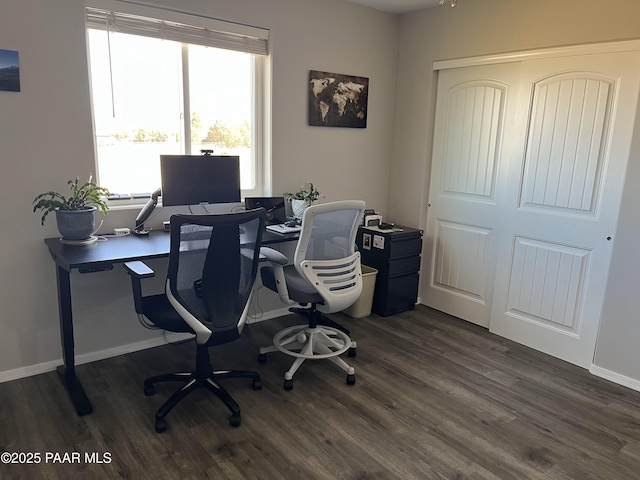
x: 435, y: 398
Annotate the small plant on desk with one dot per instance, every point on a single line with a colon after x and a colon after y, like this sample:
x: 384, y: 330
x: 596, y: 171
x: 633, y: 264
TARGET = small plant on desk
x: 75, y: 213
x: 302, y: 199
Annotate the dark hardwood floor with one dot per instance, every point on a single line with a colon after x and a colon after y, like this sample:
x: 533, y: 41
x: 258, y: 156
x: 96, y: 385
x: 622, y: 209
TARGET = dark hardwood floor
x: 435, y: 397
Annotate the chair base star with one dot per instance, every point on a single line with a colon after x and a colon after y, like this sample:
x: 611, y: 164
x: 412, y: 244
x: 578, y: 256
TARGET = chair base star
x: 312, y: 342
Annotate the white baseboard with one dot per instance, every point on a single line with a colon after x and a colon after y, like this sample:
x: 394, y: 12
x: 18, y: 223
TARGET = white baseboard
x: 46, y: 367
x: 615, y: 377
x: 29, y: 371
x: 32, y: 370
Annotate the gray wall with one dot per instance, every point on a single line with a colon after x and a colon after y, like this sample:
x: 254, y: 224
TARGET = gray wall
x: 46, y: 139
x: 480, y: 27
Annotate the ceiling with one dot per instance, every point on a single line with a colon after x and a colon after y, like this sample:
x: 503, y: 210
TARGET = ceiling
x: 397, y: 6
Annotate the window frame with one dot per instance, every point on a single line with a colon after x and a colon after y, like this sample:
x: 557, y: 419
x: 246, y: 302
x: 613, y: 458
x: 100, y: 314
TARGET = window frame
x: 259, y: 159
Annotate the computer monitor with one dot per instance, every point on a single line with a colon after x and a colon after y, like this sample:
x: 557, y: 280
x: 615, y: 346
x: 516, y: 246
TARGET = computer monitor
x: 273, y: 205
x: 199, y: 179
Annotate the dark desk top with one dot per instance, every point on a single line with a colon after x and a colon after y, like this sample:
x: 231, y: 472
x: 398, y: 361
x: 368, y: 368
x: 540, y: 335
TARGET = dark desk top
x: 102, y: 254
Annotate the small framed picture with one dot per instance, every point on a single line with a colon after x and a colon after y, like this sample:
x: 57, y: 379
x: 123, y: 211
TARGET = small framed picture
x: 9, y: 71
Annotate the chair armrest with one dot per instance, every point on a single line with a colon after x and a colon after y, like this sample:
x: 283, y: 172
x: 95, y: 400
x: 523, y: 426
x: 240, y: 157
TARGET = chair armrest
x: 139, y: 269
x: 274, y: 256
x: 278, y: 261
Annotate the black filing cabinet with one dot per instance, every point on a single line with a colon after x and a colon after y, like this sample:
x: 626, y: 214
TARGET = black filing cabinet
x: 396, y: 255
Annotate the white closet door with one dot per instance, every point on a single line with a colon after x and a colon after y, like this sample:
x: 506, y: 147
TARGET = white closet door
x: 563, y: 182
x: 461, y: 239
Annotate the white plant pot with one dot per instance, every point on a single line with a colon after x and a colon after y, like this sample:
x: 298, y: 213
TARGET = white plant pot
x: 298, y: 207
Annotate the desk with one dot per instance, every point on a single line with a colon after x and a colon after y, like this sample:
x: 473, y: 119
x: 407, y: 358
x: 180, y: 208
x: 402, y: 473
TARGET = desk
x: 100, y: 257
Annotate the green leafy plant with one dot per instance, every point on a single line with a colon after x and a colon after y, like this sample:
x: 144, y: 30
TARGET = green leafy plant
x: 82, y: 196
x: 310, y: 194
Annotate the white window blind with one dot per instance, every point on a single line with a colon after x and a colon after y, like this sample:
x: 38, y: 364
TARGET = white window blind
x: 182, y: 28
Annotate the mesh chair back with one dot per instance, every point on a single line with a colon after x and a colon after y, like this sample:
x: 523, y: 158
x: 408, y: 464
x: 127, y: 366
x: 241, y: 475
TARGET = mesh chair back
x: 212, y: 268
x: 326, y: 256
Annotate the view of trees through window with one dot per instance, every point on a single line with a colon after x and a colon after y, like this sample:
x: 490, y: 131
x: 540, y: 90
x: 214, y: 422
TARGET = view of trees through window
x: 140, y: 96
x: 220, y: 135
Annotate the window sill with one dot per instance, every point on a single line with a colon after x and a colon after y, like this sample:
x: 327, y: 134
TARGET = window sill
x: 127, y: 203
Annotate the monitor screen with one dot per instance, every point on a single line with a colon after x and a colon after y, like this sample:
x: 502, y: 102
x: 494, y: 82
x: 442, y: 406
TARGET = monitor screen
x: 199, y: 179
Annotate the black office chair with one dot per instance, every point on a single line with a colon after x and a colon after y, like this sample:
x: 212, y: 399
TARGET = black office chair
x: 326, y: 276
x: 213, y: 264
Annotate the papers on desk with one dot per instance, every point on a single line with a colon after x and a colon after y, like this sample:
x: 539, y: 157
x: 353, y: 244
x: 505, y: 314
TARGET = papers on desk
x: 282, y: 228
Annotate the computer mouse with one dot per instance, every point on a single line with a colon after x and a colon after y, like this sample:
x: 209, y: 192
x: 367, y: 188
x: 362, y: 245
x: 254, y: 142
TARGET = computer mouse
x: 290, y: 223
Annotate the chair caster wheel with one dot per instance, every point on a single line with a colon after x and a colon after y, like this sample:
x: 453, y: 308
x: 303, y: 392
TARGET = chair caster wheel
x: 257, y: 384
x: 235, y: 420
x: 262, y: 358
x: 288, y: 385
x: 149, y: 390
x: 161, y: 425
x: 351, y: 379
x: 352, y: 352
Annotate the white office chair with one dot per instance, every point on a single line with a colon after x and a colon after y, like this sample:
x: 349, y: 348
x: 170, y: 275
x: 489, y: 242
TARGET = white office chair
x: 326, y: 275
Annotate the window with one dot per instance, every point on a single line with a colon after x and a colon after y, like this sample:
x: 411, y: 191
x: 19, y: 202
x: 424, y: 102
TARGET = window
x: 156, y: 89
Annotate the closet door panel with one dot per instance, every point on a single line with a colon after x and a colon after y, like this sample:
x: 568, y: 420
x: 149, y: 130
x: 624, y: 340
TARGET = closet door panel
x: 562, y: 189
x: 461, y: 237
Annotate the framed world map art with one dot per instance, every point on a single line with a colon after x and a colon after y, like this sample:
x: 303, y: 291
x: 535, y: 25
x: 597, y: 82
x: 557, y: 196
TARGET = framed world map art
x: 337, y: 100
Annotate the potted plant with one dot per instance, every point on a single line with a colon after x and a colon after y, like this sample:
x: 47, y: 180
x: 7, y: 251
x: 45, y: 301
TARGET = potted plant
x: 75, y: 214
x: 303, y: 198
